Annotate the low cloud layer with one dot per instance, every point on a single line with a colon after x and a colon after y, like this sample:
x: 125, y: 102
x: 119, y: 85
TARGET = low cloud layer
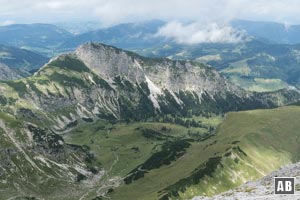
x: 195, y: 33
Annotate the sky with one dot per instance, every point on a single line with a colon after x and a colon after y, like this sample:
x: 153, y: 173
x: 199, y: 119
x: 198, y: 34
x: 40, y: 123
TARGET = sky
x: 207, y: 19
x: 109, y: 12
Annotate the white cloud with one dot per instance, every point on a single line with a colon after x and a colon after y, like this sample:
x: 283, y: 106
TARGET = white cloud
x: 195, y: 33
x: 116, y: 11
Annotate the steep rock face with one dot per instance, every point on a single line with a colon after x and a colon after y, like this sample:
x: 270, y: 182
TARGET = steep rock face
x: 109, y: 62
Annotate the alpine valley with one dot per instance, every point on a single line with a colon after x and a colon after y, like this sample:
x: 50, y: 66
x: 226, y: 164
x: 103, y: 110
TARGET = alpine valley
x: 102, y: 122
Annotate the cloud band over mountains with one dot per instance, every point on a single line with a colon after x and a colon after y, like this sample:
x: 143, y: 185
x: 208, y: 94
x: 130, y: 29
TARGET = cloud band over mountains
x: 195, y: 33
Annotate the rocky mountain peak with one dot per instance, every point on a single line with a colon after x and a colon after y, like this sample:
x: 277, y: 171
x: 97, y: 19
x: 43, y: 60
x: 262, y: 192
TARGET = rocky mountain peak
x: 108, y: 62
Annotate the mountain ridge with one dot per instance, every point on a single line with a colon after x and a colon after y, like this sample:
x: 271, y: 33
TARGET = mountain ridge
x: 162, y: 93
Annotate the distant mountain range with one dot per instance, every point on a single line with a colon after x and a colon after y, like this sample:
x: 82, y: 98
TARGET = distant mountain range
x: 16, y: 63
x: 42, y: 38
x: 129, y: 36
x: 138, y: 35
x: 270, y: 31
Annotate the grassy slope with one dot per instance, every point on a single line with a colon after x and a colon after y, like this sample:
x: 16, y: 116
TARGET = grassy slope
x: 269, y: 139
